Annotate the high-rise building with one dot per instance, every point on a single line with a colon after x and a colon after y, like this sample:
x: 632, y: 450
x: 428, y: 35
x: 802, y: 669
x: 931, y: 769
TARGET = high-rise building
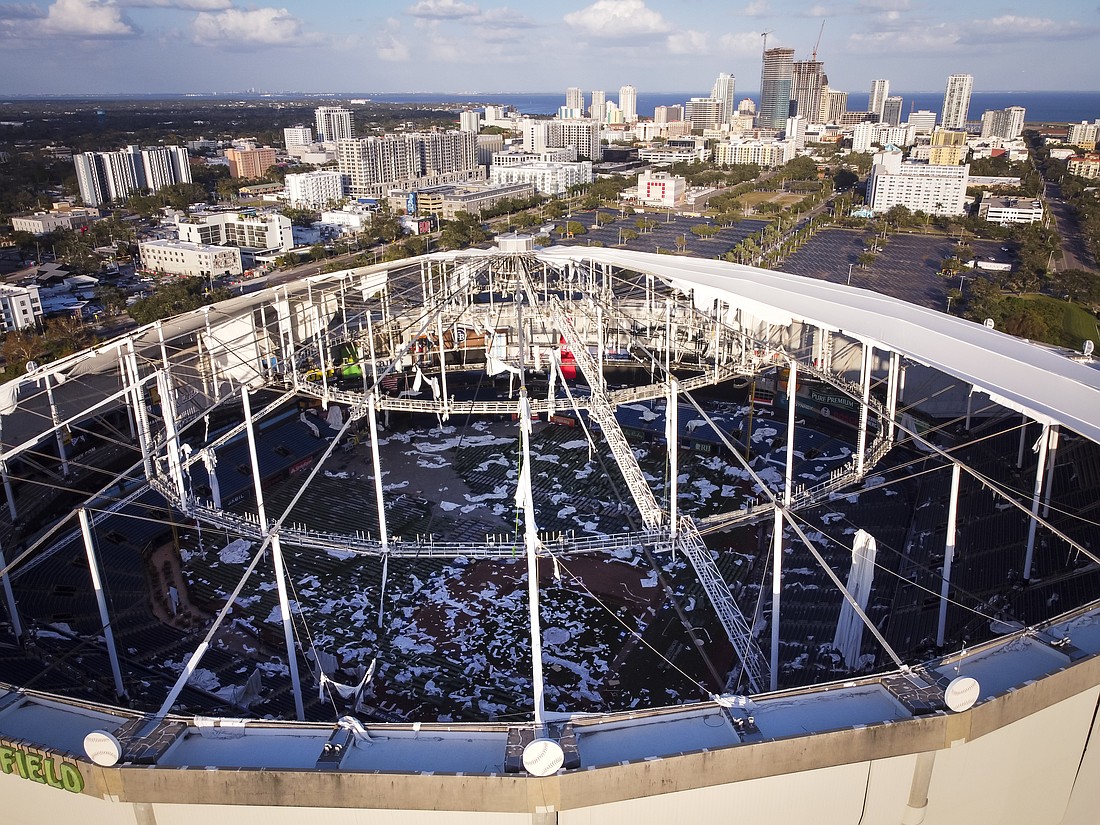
x: 880, y: 90
x: 250, y: 163
x: 796, y: 131
x: 703, y: 113
x: 574, y: 98
x: 937, y: 190
x: 923, y: 121
x: 315, y: 190
x: 628, y: 103
x: 1083, y: 134
x: 807, y: 78
x: 723, y: 91
x: 582, y: 134
x: 891, y: 110
x: 598, y: 110
x: 834, y: 103
x: 333, y: 123
x: 114, y: 176
x: 469, y: 121
x: 667, y: 114
x: 415, y: 159
x: 956, y: 101
x: 297, y: 136
x: 1003, y: 123
x: 775, y: 88
x: 747, y: 106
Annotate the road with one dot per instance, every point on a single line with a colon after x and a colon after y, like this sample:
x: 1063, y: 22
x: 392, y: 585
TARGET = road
x: 1075, y: 252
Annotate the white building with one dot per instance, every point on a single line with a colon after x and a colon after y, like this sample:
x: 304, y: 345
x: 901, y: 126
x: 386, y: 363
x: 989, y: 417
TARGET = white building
x: 1004, y: 210
x: 114, y: 176
x: 703, y: 113
x: 668, y: 114
x: 412, y: 161
x: 598, y: 110
x: 192, y: 260
x: 796, y: 131
x: 1004, y: 123
x: 1084, y: 134
x: 314, y: 190
x: 547, y: 178
x: 42, y: 223
x: 936, y: 190
x: 350, y: 219
x: 583, y: 134
x: 513, y: 158
x: 956, y: 101
x: 923, y: 121
x: 250, y: 230
x: 20, y: 306
x: 574, y: 98
x: 333, y: 123
x: 667, y: 155
x: 628, y: 103
x: 864, y: 136
x: 1084, y: 166
x: 661, y: 188
x: 763, y: 153
x: 880, y: 90
x: 723, y: 91
x: 469, y: 121
x: 297, y: 136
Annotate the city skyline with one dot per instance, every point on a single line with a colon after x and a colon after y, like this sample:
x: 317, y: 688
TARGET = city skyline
x: 460, y: 46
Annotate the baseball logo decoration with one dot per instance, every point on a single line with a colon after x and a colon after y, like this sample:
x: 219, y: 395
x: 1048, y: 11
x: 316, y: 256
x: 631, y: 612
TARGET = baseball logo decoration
x: 543, y: 757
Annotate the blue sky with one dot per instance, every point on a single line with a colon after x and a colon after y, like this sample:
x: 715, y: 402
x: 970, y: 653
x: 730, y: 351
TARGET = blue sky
x: 119, y: 46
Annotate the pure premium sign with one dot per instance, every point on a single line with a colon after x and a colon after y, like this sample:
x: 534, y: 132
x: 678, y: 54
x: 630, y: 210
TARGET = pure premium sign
x: 41, y: 767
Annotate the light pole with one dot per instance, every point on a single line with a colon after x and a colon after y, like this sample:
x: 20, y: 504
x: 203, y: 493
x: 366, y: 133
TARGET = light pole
x: 850, y: 274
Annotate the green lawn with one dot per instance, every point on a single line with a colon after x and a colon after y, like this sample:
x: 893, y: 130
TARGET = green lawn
x: 1077, y: 323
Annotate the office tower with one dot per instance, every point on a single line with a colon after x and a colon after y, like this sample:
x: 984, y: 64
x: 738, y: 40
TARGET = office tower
x: 598, y: 110
x: 923, y: 121
x: 703, y: 113
x: 333, y: 123
x: 1003, y: 123
x: 668, y: 114
x: 775, y: 88
x: 796, y: 131
x: 834, y: 103
x: 297, y: 136
x: 469, y: 121
x: 574, y: 98
x: 628, y: 103
x: 723, y: 91
x: 880, y: 90
x: 956, y: 101
x: 747, y: 106
x: 891, y: 111
x: 807, y: 78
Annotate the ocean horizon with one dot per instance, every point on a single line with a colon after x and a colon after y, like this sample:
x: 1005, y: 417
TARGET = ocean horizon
x: 1050, y: 107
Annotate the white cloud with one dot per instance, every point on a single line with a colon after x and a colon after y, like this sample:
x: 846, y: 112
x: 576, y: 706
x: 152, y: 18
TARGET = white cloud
x: 263, y: 26
x: 85, y: 19
x: 757, y: 8
x: 742, y: 44
x: 188, y: 5
x: 618, y: 19
x: 505, y: 18
x: 1014, y: 27
x: 688, y: 42
x: 387, y: 45
x: 914, y: 40
x: 442, y: 9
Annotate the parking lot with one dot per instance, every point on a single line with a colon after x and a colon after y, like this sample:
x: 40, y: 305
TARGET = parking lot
x: 662, y: 236
x: 906, y: 267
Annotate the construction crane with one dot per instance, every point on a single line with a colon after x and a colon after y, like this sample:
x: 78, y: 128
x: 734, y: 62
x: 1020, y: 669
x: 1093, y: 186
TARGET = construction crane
x: 765, y: 36
x: 820, y: 32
